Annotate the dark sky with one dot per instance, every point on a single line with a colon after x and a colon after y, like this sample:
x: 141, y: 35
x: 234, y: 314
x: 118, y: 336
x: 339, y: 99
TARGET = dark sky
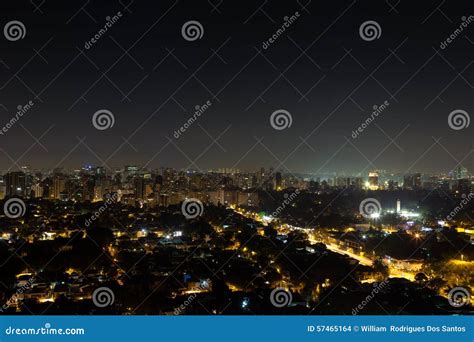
x: 320, y: 70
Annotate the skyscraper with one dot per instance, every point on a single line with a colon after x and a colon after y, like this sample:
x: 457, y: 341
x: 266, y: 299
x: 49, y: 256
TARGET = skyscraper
x: 460, y: 172
x: 15, y: 184
x: 278, y: 181
x: 59, y: 185
x: 417, y: 181
x: 139, y: 188
x: 373, y: 180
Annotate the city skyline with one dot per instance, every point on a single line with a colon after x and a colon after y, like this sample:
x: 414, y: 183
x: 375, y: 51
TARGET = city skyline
x: 236, y: 158
x: 229, y: 170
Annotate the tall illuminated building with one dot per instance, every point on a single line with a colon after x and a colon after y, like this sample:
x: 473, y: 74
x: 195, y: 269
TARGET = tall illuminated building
x: 59, y: 185
x: 139, y: 188
x: 15, y: 184
x: 417, y: 181
x: 373, y: 181
x: 278, y: 181
x: 460, y: 172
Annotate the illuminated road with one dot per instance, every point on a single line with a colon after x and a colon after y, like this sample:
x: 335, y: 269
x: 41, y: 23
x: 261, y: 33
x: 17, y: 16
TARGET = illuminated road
x: 363, y: 260
x: 396, y: 273
x: 393, y: 272
x: 334, y: 248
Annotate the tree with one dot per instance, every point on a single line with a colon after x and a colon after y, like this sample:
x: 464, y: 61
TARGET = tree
x: 421, y: 278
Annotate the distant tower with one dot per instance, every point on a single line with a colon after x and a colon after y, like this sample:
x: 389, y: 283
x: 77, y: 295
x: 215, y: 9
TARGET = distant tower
x: 399, y: 205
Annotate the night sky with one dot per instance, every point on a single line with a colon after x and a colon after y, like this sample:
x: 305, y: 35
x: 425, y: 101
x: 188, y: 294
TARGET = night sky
x: 320, y: 70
